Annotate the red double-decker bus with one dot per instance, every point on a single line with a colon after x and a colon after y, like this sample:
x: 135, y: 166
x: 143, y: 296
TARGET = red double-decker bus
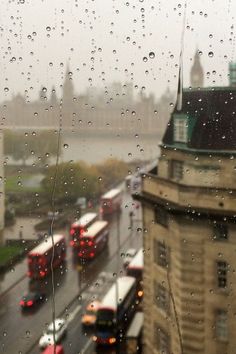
x: 94, y: 240
x: 111, y: 202
x: 40, y: 258
x: 80, y: 226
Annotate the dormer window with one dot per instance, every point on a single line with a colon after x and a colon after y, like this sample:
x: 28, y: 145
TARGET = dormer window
x: 180, y: 128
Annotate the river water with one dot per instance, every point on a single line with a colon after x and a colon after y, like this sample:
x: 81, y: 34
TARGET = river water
x: 95, y: 148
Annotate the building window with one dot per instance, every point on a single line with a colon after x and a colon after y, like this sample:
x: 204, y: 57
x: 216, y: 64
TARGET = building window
x: 176, y: 170
x: 161, y: 297
x: 221, y: 325
x: 180, y: 130
x: 161, y: 339
x: 220, y: 232
x: 161, y: 254
x: 161, y: 216
x: 222, y: 269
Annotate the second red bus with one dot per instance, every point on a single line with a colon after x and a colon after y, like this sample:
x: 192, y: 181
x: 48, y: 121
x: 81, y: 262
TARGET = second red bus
x: 111, y: 202
x: 78, y: 228
x: 93, y: 240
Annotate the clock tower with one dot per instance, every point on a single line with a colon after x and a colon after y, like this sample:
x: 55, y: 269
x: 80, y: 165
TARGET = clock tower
x: 196, y: 73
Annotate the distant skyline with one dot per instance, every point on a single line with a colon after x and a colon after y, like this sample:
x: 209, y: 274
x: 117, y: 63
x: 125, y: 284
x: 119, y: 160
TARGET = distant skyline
x: 109, y: 42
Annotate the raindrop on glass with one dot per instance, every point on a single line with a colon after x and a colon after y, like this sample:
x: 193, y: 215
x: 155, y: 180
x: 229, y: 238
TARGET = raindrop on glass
x: 151, y: 55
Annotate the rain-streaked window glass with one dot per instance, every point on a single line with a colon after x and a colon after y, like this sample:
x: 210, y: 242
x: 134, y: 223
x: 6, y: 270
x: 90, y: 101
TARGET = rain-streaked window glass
x: 221, y: 325
x: 222, y: 273
x: 180, y: 129
x: 161, y: 297
x: 161, y: 216
x: 220, y: 232
x: 162, y: 340
x: 117, y: 159
x: 161, y: 254
x: 176, y: 169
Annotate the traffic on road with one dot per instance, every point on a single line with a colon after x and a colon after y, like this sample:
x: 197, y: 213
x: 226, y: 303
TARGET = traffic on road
x: 77, y: 270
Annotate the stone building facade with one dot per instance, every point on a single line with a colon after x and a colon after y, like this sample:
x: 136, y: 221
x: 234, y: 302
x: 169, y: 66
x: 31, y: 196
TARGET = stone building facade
x: 189, y: 214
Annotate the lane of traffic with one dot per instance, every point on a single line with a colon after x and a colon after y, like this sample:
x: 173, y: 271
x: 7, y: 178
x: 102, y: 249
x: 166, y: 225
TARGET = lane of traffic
x: 67, y: 288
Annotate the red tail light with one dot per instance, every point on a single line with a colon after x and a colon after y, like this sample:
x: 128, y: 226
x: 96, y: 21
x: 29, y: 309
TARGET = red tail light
x: 80, y: 254
x: 42, y: 273
x: 91, y: 254
x: 22, y: 302
x: 82, y: 231
x: 90, y: 243
x: 30, y: 260
x: 72, y: 232
x: 72, y: 243
x: 29, y: 303
x: 82, y: 243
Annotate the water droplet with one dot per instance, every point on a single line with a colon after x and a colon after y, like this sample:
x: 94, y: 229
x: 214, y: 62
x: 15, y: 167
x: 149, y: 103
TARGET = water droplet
x: 4, y: 334
x: 210, y: 54
x: 145, y: 59
x: 6, y: 89
x: 151, y: 55
x: 48, y: 28
x: 65, y: 146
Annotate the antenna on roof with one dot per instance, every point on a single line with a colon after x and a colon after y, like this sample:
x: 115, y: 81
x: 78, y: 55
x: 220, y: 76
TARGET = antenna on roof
x: 180, y: 86
x: 180, y: 78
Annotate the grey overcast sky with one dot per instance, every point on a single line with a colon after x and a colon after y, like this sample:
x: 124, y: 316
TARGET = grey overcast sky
x: 106, y: 40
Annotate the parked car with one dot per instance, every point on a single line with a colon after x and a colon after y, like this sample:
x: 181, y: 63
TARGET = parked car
x: 90, y: 314
x: 129, y: 255
x: 31, y: 300
x: 60, y: 330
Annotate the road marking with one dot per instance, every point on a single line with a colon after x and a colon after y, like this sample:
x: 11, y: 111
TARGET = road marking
x: 74, y: 313
x: 87, y: 345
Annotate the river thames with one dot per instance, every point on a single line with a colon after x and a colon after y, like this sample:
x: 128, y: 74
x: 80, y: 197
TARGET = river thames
x: 94, y: 148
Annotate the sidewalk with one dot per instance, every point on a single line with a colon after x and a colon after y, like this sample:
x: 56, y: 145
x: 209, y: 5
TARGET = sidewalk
x: 23, y: 227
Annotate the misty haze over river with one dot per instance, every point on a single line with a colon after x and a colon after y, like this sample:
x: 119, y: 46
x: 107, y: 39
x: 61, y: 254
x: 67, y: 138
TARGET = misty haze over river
x: 94, y: 148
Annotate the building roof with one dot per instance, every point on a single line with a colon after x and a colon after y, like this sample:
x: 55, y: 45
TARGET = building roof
x: 137, y: 261
x: 46, y: 244
x: 123, y: 285
x: 84, y: 220
x: 96, y: 227
x: 212, y: 113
